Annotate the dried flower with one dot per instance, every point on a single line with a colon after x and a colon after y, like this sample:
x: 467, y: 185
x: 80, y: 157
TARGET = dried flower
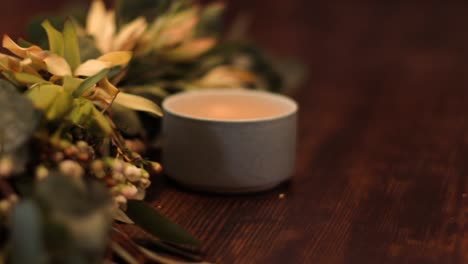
x: 82, y: 145
x: 132, y: 173
x: 41, y: 172
x: 58, y: 156
x: 5, y: 206
x: 129, y: 191
x: 120, y: 200
x: 117, y: 165
x: 145, y: 183
x: 71, y: 168
x: 118, y: 177
x: 6, y: 167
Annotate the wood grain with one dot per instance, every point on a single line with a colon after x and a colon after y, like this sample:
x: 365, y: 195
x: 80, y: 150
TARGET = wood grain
x: 381, y: 169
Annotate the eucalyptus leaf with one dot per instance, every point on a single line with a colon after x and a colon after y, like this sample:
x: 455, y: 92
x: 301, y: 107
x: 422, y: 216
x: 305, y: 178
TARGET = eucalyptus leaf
x: 26, y: 234
x: 153, y: 222
x: 76, y: 199
x: 18, y: 119
x: 119, y: 215
x: 83, y: 209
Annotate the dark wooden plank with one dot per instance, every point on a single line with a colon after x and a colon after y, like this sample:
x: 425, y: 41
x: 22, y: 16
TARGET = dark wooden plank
x: 381, y: 170
x: 383, y: 131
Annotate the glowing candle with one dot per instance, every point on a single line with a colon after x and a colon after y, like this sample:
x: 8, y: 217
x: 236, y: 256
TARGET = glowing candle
x: 229, y: 140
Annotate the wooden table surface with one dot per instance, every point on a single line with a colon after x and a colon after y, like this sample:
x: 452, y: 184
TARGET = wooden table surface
x: 383, y: 139
x: 383, y: 144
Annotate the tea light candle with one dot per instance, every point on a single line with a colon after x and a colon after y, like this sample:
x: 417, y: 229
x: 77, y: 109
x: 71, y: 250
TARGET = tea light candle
x: 229, y: 140
x: 230, y: 105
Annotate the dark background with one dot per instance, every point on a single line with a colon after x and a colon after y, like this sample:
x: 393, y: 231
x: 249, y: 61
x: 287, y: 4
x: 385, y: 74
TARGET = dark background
x: 335, y: 39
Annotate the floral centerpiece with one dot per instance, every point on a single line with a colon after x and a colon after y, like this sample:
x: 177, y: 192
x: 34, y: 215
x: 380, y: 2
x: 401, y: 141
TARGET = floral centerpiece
x: 79, y: 112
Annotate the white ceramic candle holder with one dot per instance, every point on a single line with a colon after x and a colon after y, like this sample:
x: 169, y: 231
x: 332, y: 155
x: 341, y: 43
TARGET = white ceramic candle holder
x: 229, y: 140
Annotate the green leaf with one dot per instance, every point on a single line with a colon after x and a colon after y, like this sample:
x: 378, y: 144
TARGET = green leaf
x: 154, y: 223
x: 81, y: 113
x: 84, y: 114
x: 24, y: 43
x: 138, y: 103
x: 26, y: 234
x: 52, y: 99
x: 55, y: 38
x: 90, y: 82
x: 27, y: 78
x: 42, y: 96
x: 10, y: 77
x: 60, y: 106
x: 70, y: 84
x: 18, y: 118
x: 119, y: 215
x: 71, y: 45
x: 101, y: 121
